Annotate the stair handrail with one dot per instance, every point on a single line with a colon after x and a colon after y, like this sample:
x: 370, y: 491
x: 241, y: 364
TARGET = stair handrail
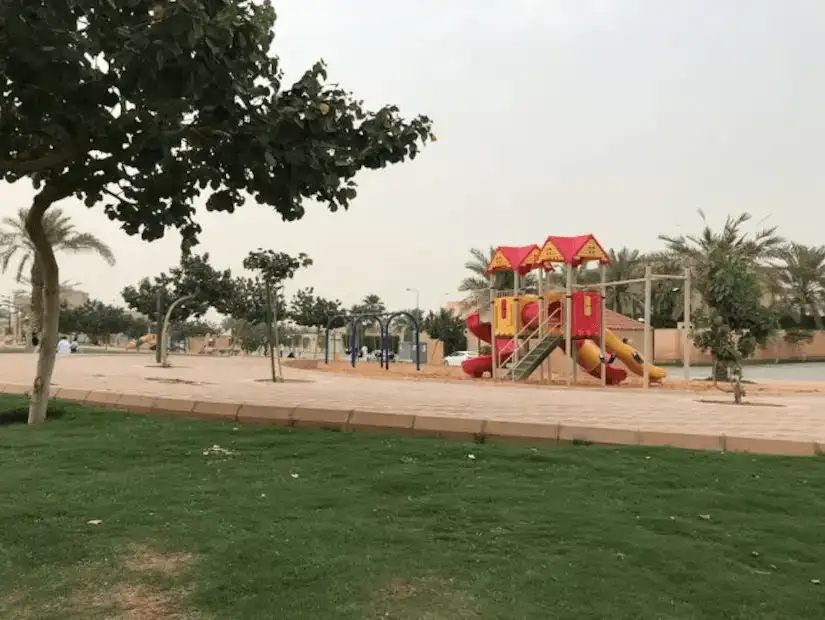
x: 528, y: 329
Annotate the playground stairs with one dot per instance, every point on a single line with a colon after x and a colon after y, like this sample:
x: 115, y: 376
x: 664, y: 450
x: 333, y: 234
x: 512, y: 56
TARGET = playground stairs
x: 526, y: 366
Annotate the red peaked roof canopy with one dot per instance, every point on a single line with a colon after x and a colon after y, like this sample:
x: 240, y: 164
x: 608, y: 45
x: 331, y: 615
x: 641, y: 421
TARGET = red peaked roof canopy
x: 521, y: 259
x: 572, y: 250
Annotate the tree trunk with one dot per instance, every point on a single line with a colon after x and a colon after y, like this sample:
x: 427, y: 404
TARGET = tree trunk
x: 721, y: 371
x: 738, y: 392
x: 738, y: 388
x: 36, y: 298
x: 816, y: 316
x: 158, y: 327
x: 44, y: 255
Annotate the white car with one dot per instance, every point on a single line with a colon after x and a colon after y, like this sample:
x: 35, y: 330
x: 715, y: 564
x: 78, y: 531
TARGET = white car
x: 455, y: 358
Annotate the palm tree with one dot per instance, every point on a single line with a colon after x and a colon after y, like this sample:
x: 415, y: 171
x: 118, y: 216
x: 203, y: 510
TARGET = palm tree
x: 370, y: 305
x: 477, y: 285
x: 699, y: 250
x: 63, y: 236
x: 801, y: 273
x: 667, y: 296
x: 625, y: 264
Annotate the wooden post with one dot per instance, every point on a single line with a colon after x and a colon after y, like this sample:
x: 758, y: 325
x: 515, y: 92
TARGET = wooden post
x: 568, y: 328
x: 494, y: 367
x: 541, y: 318
x: 516, y: 318
x: 686, y: 340
x: 602, y: 296
x: 647, y: 333
x: 549, y: 369
x: 158, y: 327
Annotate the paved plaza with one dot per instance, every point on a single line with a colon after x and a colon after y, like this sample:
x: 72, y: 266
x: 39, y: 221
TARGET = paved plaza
x: 243, y: 381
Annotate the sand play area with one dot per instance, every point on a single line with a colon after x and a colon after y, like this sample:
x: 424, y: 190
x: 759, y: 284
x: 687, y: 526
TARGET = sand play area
x: 452, y: 374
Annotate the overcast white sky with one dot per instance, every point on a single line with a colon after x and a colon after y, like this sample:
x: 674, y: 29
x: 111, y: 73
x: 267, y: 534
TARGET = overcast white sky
x: 619, y: 118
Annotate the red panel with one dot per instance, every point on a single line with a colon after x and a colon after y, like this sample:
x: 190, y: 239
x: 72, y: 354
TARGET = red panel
x: 515, y: 255
x: 586, y: 317
x: 569, y: 247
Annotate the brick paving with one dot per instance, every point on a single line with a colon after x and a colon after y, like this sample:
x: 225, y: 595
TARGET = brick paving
x: 238, y: 380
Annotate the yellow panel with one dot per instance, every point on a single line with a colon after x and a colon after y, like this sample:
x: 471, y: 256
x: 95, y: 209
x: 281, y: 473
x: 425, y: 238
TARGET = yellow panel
x: 499, y: 261
x: 505, y: 324
x: 588, y: 306
x: 532, y: 258
x: 550, y: 254
x: 590, y: 251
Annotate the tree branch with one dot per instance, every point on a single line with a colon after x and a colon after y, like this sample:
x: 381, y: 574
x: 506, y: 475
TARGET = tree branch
x: 38, y: 165
x: 119, y: 197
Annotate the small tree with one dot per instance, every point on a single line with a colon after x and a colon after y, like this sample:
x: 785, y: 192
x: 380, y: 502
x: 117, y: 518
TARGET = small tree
x: 448, y: 328
x: 275, y: 267
x: 97, y: 320
x: 311, y: 311
x: 194, y: 278
x: 735, y: 323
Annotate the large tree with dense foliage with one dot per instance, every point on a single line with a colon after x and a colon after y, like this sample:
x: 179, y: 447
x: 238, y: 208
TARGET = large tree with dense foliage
x: 141, y: 107
x: 701, y: 253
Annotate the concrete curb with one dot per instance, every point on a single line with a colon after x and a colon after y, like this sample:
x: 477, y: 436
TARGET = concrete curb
x: 456, y: 428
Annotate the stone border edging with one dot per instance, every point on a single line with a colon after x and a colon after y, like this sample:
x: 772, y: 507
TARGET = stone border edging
x: 458, y: 428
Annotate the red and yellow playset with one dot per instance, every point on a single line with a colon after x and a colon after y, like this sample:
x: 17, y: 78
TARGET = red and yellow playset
x: 523, y: 328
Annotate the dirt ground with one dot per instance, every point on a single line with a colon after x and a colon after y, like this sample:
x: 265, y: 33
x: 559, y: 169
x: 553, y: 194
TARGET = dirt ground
x: 447, y: 374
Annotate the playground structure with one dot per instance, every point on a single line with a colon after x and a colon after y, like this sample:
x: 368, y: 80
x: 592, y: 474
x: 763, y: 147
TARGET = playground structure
x: 384, y: 319
x: 524, y: 328
x: 147, y: 340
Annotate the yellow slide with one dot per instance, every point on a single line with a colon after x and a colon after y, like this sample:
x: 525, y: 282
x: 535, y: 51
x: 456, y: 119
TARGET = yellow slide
x: 630, y: 357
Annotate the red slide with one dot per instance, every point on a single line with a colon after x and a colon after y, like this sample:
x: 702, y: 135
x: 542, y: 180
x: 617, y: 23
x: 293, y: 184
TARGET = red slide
x: 503, y: 347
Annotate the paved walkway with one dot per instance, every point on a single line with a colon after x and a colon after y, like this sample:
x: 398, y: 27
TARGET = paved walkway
x: 243, y: 381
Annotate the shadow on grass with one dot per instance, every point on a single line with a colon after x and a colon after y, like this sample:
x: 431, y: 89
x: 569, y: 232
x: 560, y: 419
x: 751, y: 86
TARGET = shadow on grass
x: 18, y: 412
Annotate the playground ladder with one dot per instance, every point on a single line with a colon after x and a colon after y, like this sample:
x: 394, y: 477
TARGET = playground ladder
x: 525, y: 366
x: 525, y: 360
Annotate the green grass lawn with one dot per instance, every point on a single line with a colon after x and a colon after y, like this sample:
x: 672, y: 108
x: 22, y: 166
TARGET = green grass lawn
x: 312, y: 525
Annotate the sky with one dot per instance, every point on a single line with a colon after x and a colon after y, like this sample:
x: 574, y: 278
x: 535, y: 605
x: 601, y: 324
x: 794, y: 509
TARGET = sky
x: 554, y: 117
